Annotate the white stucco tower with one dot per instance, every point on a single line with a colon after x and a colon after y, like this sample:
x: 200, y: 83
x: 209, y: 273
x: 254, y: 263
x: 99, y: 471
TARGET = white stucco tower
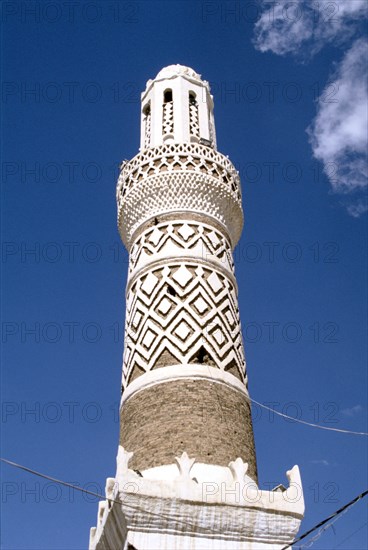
x: 186, y: 467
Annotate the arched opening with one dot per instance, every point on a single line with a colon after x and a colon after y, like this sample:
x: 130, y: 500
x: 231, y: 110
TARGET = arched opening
x: 193, y: 117
x: 211, y: 124
x: 147, y: 124
x: 168, y: 96
x: 168, y: 116
x: 203, y: 357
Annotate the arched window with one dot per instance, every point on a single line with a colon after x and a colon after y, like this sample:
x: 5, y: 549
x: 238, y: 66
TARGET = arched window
x: 168, y: 96
x: 147, y: 124
x: 193, y: 117
x: 212, y: 128
x: 168, y: 114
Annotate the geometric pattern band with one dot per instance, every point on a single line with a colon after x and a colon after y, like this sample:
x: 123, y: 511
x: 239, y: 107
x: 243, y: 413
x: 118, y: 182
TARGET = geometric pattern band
x: 182, y: 312
x: 175, y: 238
x: 178, y: 177
x: 173, y: 157
x: 185, y: 192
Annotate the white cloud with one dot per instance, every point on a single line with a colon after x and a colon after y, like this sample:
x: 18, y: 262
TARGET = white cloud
x: 286, y: 27
x: 322, y: 462
x: 338, y: 134
x: 358, y: 208
x: 352, y: 411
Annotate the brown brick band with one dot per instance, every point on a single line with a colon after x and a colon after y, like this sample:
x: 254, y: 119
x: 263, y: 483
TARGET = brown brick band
x: 208, y: 420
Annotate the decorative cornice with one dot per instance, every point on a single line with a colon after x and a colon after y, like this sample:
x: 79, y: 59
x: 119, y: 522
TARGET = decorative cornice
x: 156, y: 510
x: 179, y: 177
x: 177, y: 372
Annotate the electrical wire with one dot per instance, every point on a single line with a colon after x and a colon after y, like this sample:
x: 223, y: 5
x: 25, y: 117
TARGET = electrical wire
x: 321, y: 530
x: 341, y: 510
x: 98, y: 495
x: 352, y: 534
x: 323, y: 522
x: 304, y: 422
x: 65, y: 483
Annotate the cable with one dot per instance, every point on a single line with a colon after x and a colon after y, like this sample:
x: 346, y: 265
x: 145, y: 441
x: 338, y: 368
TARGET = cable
x: 320, y: 532
x: 323, y: 522
x: 58, y: 480
x: 102, y: 497
x: 306, y: 423
x: 352, y: 534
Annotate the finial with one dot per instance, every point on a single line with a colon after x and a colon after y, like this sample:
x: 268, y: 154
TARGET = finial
x: 238, y: 469
x: 122, y: 461
x: 185, y: 465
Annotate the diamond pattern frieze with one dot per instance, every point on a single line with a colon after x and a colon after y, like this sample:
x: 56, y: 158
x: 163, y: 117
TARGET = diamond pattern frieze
x: 149, y: 283
x: 232, y: 321
x: 155, y: 236
x: 219, y: 336
x: 136, y: 319
x: 214, y: 239
x: 215, y: 282
x: 148, y: 338
x: 165, y: 306
x: 186, y: 310
x: 200, y: 305
x: 182, y: 276
x: 183, y: 330
x: 185, y: 231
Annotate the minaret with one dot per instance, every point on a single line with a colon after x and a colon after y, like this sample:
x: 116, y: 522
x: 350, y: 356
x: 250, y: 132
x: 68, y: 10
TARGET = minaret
x: 186, y: 467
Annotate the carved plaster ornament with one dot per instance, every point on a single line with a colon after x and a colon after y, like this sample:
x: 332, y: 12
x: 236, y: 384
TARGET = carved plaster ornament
x: 239, y: 470
x: 122, y: 461
x: 185, y: 465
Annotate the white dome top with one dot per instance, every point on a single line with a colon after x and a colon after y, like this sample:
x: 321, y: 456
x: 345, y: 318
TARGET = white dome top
x: 174, y: 70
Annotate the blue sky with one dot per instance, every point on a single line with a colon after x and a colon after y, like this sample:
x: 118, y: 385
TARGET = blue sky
x: 290, y: 93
